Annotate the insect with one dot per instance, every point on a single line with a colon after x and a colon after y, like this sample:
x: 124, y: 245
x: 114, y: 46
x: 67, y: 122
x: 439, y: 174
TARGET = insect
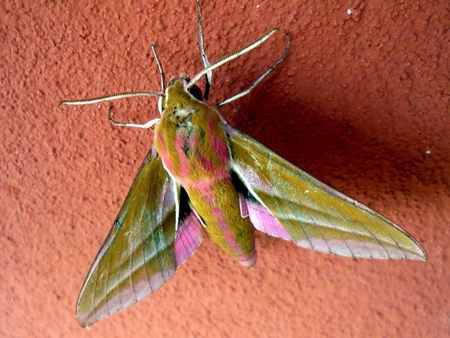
x: 202, y: 175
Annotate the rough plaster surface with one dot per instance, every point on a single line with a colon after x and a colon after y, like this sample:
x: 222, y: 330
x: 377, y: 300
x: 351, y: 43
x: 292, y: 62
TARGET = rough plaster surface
x: 361, y: 102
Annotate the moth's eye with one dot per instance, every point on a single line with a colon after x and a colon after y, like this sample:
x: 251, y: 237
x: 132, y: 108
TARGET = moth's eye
x: 185, y: 77
x: 196, y: 92
x: 171, y: 82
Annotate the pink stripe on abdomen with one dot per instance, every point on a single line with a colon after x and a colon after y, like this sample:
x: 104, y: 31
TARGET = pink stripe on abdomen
x: 236, y: 249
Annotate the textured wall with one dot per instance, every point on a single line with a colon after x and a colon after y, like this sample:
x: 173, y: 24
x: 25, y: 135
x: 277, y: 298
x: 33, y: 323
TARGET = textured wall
x: 361, y: 102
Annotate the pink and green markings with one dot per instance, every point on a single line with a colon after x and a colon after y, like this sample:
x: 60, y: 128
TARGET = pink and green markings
x: 202, y: 175
x: 193, y: 145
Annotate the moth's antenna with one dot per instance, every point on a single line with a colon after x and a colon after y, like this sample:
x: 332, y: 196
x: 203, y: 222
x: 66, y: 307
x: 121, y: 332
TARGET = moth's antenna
x: 205, y: 61
x: 116, y: 96
x: 161, y: 72
x: 230, y: 57
x: 128, y: 95
x: 162, y: 78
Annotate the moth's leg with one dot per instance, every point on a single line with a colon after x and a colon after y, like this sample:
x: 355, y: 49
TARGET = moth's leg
x: 145, y: 125
x: 205, y: 62
x: 262, y: 77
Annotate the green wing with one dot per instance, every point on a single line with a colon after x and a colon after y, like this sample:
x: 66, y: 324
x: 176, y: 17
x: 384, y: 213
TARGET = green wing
x: 286, y: 202
x: 137, y: 256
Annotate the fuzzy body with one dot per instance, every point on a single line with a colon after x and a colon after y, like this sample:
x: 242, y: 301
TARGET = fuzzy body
x: 194, y: 149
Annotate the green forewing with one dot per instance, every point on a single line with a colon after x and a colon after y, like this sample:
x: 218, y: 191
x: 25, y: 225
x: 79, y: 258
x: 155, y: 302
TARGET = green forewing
x: 314, y: 215
x: 137, y: 256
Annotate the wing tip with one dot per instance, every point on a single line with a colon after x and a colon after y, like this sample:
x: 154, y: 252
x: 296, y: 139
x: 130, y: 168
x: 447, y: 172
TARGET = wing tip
x: 84, y: 321
x: 420, y: 254
x: 415, y: 250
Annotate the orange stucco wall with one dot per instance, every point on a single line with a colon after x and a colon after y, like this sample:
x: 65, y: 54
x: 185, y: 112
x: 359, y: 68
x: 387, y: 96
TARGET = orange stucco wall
x: 361, y: 102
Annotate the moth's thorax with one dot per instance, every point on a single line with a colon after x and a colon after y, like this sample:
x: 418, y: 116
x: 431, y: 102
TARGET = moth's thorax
x: 193, y: 145
x: 190, y: 138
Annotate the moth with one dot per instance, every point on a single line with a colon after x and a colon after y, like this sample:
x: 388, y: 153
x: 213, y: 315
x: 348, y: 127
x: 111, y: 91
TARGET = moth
x: 202, y: 175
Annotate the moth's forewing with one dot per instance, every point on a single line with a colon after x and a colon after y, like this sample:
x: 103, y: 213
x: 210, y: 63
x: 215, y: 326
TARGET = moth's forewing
x: 137, y: 256
x: 314, y: 215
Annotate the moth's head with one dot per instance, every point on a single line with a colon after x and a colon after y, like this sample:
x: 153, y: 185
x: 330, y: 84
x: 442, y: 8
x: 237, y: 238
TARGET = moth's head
x: 179, y: 84
x: 177, y: 91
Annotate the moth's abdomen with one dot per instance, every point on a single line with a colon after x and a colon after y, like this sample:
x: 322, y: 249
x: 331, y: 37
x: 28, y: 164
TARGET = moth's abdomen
x: 218, y: 206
